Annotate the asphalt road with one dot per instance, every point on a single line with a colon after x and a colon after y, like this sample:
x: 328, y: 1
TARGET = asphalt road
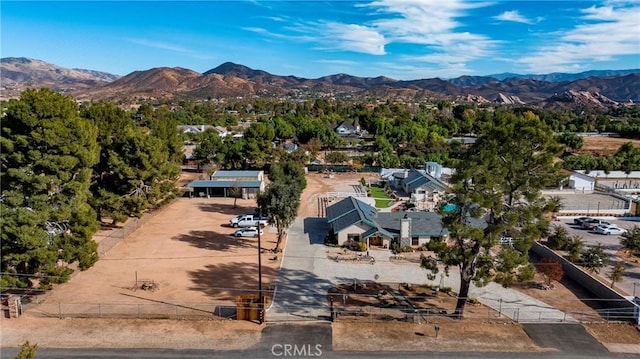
x: 313, y: 340
x: 202, y: 354
x: 572, y: 338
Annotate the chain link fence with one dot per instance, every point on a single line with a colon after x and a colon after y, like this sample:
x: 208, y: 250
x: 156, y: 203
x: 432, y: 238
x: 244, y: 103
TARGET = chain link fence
x: 225, y: 310
x: 107, y: 242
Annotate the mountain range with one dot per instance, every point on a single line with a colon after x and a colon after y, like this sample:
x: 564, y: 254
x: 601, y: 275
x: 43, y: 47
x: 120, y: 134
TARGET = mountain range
x: 592, y: 88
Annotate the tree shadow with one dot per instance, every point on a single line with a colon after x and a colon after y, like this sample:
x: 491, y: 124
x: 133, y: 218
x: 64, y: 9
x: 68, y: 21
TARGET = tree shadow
x: 226, y: 281
x: 316, y: 229
x: 226, y: 208
x: 215, y: 241
x: 294, y: 292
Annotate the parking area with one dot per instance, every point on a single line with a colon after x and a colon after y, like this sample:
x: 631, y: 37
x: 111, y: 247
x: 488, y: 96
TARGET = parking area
x: 611, y: 244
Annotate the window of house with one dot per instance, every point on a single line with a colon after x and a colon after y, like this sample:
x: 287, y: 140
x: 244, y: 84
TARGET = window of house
x: 414, y: 240
x: 354, y: 237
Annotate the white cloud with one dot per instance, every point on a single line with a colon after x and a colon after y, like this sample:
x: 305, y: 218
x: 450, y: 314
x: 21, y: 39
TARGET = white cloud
x: 435, y: 25
x: 337, y: 62
x: 351, y: 37
x: 267, y: 33
x: 443, y: 70
x: 160, y: 45
x: 423, y: 22
x: 513, y: 16
x: 604, y: 33
x: 432, y: 24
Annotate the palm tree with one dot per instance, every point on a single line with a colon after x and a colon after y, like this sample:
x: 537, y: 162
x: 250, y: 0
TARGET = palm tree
x: 554, y: 205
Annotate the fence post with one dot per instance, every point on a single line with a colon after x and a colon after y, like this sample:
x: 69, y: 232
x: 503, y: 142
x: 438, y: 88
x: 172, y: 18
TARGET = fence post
x: 59, y: 310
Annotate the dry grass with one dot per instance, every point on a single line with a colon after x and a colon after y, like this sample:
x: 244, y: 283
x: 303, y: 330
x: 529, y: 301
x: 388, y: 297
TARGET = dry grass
x: 604, y: 145
x: 623, y: 333
x: 453, y: 336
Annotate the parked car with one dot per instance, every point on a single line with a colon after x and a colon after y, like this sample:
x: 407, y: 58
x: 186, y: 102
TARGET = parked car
x: 248, y: 232
x: 578, y: 221
x: 248, y: 220
x: 594, y: 222
x: 610, y: 229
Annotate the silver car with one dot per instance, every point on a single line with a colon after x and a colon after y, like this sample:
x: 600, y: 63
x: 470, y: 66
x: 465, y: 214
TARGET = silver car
x: 248, y: 232
x: 610, y: 229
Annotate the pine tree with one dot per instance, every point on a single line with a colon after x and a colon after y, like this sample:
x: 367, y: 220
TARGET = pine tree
x: 48, y: 152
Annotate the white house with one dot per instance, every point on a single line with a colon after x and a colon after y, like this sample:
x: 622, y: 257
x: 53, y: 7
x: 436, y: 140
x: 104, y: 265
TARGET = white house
x: 222, y: 132
x: 581, y: 182
x: 347, y: 129
x: 425, y: 187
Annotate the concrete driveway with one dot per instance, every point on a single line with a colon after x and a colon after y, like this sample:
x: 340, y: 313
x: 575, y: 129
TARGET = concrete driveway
x: 307, y: 274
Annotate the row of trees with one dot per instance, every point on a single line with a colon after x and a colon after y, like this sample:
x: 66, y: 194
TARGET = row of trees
x: 405, y: 135
x: 67, y: 167
x: 449, y: 118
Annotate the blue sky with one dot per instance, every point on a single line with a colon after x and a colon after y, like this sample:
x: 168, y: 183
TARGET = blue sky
x: 402, y: 39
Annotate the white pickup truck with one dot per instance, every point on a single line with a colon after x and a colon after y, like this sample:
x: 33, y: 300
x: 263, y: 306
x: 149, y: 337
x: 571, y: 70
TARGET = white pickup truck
x: 248, y: 220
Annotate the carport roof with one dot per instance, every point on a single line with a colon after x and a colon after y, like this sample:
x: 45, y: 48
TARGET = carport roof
x: 225, y: 184
x: 222, y: 174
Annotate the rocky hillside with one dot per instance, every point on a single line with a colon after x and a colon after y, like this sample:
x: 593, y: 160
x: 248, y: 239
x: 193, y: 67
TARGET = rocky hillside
x: 233, y: 80
x: 19, y: 73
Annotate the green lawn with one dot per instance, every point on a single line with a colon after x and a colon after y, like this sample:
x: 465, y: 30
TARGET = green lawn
x: 382, y: 200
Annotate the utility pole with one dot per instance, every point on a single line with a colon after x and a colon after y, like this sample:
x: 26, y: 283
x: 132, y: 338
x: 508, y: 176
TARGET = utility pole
x: 260, y: 297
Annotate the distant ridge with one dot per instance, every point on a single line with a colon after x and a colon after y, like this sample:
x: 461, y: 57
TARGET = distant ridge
x: 235, y: 80
x: 19, y: 73
x: 561, y: 76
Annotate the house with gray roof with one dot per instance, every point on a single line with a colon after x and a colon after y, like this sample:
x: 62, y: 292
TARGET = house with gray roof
x: 353, y: 220
x: 425, y: 188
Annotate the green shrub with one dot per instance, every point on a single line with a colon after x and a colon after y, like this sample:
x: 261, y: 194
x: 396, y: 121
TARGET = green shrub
x: 406, y: 249
x: 397, y: 249
x: 362, y: 247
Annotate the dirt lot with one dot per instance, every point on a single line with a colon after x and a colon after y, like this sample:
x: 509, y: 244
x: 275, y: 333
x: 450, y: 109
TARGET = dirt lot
x: 187, y: 250
x: 604, y: 145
